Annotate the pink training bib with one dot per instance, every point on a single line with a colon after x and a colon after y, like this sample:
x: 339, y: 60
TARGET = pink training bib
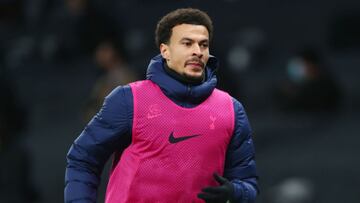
x: 174, y: 150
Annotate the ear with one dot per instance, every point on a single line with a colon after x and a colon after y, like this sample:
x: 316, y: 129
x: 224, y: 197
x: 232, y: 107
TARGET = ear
x: 164, y: 50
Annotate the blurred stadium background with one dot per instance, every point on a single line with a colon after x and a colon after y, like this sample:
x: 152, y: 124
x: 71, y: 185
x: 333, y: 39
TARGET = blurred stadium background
x: 49, y: 67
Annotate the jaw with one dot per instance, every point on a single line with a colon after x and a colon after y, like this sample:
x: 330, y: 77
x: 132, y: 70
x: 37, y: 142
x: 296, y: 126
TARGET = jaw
x: 194, y: 75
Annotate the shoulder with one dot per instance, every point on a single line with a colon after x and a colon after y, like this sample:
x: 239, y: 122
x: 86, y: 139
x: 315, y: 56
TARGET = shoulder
x: 236, y: 103
x: 120, y: 91
x: 119, y: 99
x: 121, y: 94
x: 223, y: 94
x: 238, y: 106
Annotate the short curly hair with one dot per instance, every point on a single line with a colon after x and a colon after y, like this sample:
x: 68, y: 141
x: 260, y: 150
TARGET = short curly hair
x: 181, y: 16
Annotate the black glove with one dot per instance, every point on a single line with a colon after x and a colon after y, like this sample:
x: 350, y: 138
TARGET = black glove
x: 218, y: 194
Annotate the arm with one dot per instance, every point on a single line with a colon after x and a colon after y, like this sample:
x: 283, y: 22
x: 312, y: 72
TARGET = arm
x: 240, y: 167
x: 100, y: 138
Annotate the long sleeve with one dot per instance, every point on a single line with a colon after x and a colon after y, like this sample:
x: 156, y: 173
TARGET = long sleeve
x: 100, y: 138
x: 240, y: 167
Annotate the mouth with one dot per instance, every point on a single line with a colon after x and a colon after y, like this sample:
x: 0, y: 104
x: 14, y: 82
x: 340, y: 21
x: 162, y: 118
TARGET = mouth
x: 196, y: 64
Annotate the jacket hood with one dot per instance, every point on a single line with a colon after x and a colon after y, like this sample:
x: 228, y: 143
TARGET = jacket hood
x: 181, y: 93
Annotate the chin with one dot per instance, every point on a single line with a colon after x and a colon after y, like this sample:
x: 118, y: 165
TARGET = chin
x: 194, y: 76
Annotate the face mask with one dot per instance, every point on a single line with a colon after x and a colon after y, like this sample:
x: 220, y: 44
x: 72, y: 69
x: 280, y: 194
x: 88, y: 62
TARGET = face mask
x: 296, y: 70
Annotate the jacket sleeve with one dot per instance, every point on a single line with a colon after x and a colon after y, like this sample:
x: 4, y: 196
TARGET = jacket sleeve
x: 100, y: 138
x: 240, y: 167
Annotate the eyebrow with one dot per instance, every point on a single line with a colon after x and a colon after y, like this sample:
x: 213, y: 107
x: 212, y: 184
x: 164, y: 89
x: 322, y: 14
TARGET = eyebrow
x: 191, y: 40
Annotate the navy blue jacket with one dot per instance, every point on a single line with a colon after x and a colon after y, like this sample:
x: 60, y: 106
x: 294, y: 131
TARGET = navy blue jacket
x: 110, y: 131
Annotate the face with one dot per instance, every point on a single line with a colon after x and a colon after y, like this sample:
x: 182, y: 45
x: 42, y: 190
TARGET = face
x: 188, y: 50
x: 104, y: 54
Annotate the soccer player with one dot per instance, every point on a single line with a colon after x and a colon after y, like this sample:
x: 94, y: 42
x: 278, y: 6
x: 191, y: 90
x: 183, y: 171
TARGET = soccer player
x: 174, y: 136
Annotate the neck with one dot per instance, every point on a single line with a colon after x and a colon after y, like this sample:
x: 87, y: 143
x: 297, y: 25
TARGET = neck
x: 183, y: 78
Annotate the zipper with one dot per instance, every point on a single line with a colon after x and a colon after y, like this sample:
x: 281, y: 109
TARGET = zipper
x: 188, y: 91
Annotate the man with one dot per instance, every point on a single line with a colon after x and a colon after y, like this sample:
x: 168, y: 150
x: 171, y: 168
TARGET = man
x: 175, y: 136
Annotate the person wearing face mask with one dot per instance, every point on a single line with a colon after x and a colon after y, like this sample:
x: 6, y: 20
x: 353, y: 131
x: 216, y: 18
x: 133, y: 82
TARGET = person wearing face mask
x: 310, y: 86
x: 174, y: 137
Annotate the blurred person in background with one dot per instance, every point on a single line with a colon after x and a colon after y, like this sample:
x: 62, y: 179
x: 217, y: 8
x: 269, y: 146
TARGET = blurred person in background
x: 75, y: 28
x: 115, y: 71
x: 310, y: 87
x: 15, y: 182
x: 174, y: 136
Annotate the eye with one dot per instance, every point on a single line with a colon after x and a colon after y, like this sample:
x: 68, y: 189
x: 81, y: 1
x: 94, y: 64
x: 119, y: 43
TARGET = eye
x: 204, y: 45
x: 187, y: 43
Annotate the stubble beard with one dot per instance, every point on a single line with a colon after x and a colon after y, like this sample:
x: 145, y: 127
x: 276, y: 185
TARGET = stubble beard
x: 196, y: 79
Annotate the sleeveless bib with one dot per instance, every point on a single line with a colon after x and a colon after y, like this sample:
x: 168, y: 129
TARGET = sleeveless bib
x: 174, y: 150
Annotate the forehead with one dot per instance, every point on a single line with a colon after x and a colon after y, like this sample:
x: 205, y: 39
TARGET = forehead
x: 195, y: 32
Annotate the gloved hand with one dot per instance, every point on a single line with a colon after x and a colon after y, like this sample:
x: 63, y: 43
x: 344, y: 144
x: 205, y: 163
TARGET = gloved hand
x: 218, y: 194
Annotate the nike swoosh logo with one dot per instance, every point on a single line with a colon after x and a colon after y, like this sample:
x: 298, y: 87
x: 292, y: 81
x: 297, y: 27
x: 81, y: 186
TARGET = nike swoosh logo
x: 174, y: 140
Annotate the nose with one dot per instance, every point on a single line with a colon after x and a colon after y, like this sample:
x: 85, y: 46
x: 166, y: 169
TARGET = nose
x: 197, y: 51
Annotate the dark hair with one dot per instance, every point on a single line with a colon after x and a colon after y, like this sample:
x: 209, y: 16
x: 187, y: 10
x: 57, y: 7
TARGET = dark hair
x: 181, y: 16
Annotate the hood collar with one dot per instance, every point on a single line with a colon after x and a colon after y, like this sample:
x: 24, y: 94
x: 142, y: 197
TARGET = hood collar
x: 178, y: 91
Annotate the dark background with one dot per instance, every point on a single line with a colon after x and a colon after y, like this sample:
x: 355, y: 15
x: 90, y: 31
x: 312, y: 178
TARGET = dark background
x: 47, y: 60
